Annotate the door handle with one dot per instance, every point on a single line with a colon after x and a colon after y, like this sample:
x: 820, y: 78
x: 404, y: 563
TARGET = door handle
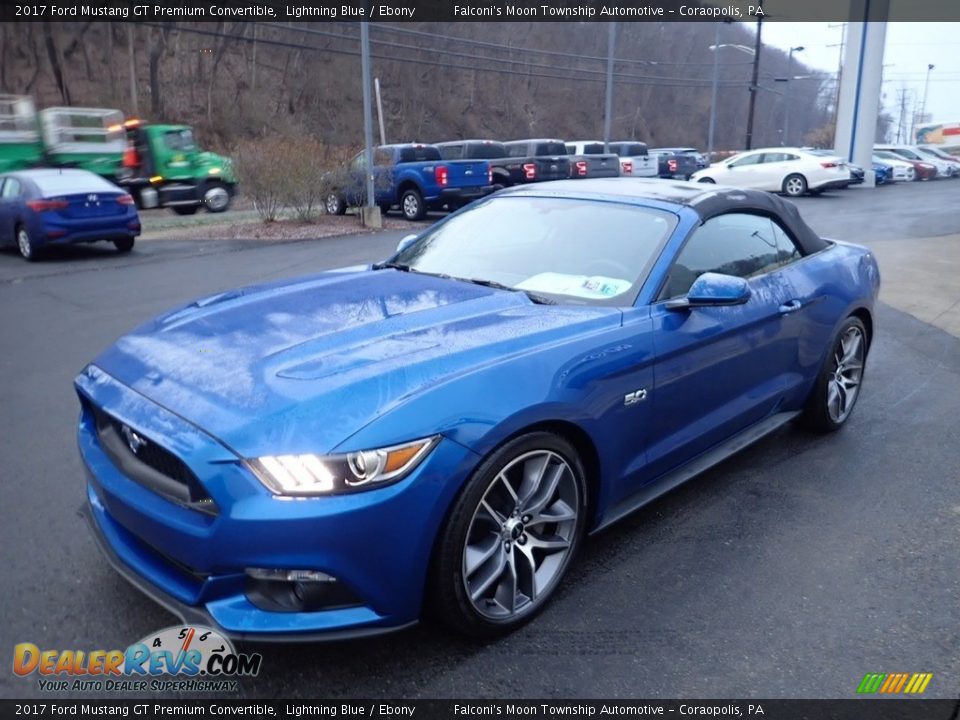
x: 790, y: 307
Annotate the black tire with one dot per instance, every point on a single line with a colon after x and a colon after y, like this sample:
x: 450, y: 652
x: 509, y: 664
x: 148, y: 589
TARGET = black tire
x: 711, y: 181
x: 25, y: 244
x: 124, y: 245
x: 185, y: 209
x: 411, y: 204
x: 216, y: 196
x: 335, y: 204
x: 818, y: 414
x: 794, y: 185
x: 514, y: 543
x: 384, y: 209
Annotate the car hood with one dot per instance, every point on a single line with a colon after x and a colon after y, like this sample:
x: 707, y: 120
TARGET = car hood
x: 301, y: 366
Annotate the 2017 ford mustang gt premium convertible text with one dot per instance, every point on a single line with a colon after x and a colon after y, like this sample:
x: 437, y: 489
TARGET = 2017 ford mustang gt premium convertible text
x: 327, y: 457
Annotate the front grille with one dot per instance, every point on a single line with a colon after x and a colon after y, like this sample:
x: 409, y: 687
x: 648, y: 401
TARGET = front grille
x: 144, y: 461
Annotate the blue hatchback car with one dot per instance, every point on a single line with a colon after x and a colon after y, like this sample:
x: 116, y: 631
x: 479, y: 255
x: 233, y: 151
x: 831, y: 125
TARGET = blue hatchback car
x: 325, y: 457
x: 39, y: 208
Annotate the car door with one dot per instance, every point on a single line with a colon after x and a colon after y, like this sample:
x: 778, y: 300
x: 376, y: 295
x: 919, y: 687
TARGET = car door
x: 6, y: 223
x: 720, y: 369
x: 770, y: 171
x: 744, y: 171
x: 9, y: 208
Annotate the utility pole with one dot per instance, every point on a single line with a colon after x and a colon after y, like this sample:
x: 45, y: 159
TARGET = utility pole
x: 902, y: 93
x: 608, y: 110
x: 370, y: 217
x: 714, y: 93
x: 923, y: 111
x: 754, y: 81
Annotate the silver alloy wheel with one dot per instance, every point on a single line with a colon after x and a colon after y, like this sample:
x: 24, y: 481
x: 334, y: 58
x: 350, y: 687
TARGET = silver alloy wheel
x: 794, y: 186
x: 23, y: 243
x: 216, y: 198
x: 911, y: 174
x: 333, y: 204
x: 843, y: 385
x: 520, y: 535
x: 411, y: 205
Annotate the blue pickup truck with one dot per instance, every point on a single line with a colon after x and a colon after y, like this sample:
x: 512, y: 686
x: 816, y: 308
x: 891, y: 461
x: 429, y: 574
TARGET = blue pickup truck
x: 413, y: 177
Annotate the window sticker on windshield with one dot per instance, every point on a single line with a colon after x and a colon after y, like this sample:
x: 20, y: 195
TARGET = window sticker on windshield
x: 586, y: 286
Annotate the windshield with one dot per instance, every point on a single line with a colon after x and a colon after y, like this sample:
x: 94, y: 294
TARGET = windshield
x: 180, y: 140
x: 569, y: 249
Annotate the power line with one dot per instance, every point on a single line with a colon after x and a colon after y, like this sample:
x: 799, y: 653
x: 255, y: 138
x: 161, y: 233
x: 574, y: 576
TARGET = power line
x: 622, y: 77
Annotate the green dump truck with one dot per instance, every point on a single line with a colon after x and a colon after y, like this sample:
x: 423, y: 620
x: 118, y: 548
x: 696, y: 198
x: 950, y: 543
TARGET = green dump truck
x: 159, y: 165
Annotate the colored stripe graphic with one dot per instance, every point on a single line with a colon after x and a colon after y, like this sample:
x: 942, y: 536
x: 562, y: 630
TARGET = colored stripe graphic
x: 894, y: 683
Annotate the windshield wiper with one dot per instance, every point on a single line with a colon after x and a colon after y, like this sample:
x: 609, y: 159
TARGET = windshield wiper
x: 538, y: 299
x: 391, y: 265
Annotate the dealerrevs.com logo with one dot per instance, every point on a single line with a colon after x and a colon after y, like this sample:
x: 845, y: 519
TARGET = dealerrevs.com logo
x: 200, y: 659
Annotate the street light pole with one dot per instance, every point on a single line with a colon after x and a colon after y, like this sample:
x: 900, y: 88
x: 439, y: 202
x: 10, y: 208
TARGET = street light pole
x: 786, y: 96
x: 754, y: 80
x: 713, y: 93
x: 367, y: 119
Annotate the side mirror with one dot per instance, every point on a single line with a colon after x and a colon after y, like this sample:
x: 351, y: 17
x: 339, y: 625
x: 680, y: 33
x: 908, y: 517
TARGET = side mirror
x: 405, y: 242
x: 713, y: 290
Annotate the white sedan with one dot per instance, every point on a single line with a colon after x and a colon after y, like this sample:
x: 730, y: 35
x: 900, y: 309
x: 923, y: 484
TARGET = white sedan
x: 792, y: 171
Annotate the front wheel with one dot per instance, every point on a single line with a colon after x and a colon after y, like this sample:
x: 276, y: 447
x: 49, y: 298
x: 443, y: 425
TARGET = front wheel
x: 411, y: 203
x: 794, y: 185
x: 185, y: 209
x: 216, y: 197
x: 911, y: 174
x: 711, y: 181
x: 511, y: 536
x: 838, y: 385
x: 335, y: 204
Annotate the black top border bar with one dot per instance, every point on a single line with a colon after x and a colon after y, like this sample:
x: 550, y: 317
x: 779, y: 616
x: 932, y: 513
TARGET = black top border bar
x: 481, y: 10
x: 354, y: 709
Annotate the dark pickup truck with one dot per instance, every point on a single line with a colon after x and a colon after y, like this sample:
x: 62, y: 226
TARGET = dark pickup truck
x: 537, y: 160
x: 676, y: 162
x: 413, y: 176
x: 588, y: 160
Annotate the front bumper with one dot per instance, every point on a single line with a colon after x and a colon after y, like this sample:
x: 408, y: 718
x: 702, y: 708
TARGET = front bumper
x: 376, y: 543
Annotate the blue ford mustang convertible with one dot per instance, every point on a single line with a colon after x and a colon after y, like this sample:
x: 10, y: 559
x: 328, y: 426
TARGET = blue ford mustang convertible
x: 329, y: 456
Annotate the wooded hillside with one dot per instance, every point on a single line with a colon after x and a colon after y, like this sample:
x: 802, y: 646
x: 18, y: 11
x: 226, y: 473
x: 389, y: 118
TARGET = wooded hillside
x: 236, y: 81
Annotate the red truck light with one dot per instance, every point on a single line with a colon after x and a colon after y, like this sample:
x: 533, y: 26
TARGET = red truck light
x: 628, y: 167
x: 581, y: 166
x: 529, y: 171
x: 41, y: 205
x: 440, y: 175
x: 672, y: 165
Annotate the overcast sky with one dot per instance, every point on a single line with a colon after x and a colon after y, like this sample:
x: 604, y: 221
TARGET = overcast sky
x: 910, y: 48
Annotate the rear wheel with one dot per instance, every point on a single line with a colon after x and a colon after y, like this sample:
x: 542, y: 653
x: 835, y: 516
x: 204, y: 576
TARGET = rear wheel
x: 838, y: 385
x: 794, y: 185
x: 911, y: 174
x: 124, y: 245
x: 411, y: 203
x: 384, y: 209
x: 185, y: 209
x: 511, y: 536
x: 25, y: 244
x: 710, y: 181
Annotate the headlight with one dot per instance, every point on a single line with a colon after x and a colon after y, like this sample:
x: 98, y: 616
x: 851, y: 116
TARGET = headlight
x: 326, y: 475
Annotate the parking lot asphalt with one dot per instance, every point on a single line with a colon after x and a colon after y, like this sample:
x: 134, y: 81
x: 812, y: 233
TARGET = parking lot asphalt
x: 789, y: 571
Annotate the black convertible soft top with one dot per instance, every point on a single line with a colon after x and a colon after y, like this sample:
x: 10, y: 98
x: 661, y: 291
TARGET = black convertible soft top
x: 706, y: 199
